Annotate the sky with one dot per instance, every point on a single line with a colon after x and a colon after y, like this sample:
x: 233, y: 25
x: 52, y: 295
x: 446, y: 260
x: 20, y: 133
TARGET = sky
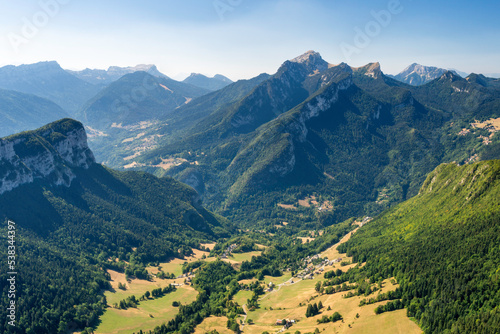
x: 243, y: 38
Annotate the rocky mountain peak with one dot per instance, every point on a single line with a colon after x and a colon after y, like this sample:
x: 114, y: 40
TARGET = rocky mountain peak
x: 449, y: 76
x: 372, y: 70
x: 49, y: 153
x: 312, y: 60
x: 417, y: 74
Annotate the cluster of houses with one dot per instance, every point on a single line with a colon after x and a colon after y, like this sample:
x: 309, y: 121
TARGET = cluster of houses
x: 188, y: 276
x: 228, y: 251
x: 311, y: 270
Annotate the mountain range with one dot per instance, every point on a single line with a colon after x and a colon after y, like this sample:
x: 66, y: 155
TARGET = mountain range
x: 80, y: 92
x: 265, y: 161
x: 354, y: 136
x: 417, y: 74
x: 136, y: 97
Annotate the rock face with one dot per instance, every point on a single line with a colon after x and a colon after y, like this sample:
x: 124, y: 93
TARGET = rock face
x: 49, y: 153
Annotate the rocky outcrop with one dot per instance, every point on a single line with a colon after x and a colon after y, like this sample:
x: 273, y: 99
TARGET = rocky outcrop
x: 49, y: 153
x: 315, y: 106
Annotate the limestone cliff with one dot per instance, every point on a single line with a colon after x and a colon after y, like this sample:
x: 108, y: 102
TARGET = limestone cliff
x: 49, y: 154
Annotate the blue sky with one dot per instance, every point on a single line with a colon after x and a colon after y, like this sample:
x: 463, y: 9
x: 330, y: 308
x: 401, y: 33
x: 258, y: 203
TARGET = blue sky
x: 242, y: 38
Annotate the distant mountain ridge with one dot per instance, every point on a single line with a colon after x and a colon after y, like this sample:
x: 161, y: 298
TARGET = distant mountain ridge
x: 113, y: 73
x: 215, y: 83
x: 21, y: 112
x: 137, y: 97
x: 50, y: 81
x: 417, y: 74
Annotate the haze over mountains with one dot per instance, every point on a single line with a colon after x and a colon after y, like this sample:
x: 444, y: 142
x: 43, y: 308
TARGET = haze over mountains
x: 72, y: 92
x: 137, y: 97
x: 50, y: 81
x: 113, y: 73
x: 21, y: 112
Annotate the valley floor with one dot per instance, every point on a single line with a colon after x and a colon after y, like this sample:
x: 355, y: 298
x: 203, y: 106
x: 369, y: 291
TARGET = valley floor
x: 288, y: 300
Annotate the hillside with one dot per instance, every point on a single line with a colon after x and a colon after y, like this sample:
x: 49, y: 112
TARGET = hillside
x: 75, y: 218
x: 21, y: 112
x: 442, y: 246
x: 48, y: 80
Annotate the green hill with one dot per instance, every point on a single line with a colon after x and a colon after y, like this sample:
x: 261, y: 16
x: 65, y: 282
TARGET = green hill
x: 442, y: 246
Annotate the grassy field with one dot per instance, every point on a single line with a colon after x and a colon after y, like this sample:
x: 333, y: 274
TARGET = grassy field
x: 150, y: 313
x: 240, y: 257
x: 209, y: 324
x: 291, y: 300
x: 242, y: 296
x: 174, y: 266
x: 147, y: 315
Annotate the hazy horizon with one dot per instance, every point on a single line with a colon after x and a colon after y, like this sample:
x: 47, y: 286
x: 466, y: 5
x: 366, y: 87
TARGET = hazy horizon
x: 241, y: 39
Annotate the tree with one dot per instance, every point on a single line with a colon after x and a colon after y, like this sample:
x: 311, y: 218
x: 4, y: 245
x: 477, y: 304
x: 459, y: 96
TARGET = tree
x: 315, y: 309
x: 309, y: 311
x: 336, y: 317
x: 147, y: 294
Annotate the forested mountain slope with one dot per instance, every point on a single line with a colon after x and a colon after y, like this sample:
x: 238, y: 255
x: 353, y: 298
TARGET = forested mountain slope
x: 74, y: 218
x: 443, y: 248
